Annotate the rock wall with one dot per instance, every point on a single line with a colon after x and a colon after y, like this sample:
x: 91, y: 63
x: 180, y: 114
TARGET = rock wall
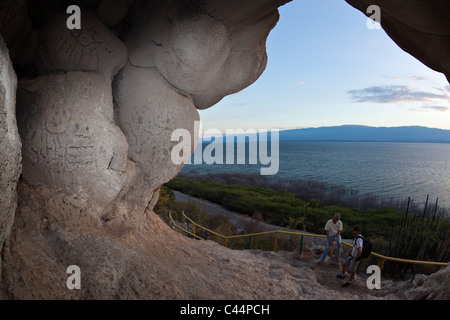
x: 10, y: 146
x: 97, y: 116
x: 96, y: 108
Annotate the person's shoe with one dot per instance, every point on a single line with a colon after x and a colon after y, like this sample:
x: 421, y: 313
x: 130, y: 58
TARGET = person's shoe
x: 346, y: 284
x: 340, y: 276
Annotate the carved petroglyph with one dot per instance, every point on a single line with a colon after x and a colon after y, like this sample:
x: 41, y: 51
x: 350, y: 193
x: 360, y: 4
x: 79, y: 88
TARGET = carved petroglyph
x: 92, y: 48
x: 71, y: 146
x: 70, y: 139
x: 149, y: 110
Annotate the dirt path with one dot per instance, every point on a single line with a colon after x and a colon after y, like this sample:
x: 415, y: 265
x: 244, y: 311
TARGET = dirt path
x: 239, y: 220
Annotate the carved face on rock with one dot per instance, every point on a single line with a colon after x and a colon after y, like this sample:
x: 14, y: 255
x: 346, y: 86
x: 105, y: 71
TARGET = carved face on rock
x: 69, y: 140
x: 150, y: 109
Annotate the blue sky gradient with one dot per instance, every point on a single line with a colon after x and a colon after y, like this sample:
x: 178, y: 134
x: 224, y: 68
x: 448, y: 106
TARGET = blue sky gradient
x: 327, y: 68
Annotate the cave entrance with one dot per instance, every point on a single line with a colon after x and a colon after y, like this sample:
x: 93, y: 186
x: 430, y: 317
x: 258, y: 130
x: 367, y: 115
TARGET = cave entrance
x: 327, y: 67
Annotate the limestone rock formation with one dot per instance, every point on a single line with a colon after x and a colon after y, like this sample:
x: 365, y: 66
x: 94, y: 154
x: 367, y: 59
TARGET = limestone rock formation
x: 70, y: 143
x: 96, y: 109
x: 96, y: 151
x: 433, y: 287
x: 10, y: 146
x: 15, y: 25
x: 112, y: 12
x: 93, y: 48
x: 203, y: 48
x: 148, y: 111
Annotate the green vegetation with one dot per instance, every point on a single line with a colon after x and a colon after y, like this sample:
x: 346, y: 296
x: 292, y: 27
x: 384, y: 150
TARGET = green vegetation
x: 393, y: 232
x: 285, y: 209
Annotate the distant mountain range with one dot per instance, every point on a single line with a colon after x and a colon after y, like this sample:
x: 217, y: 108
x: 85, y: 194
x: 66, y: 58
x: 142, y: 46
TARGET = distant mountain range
x: 366, y: 133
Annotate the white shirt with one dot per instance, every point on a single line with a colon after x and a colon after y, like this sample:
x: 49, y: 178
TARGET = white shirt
x: 358, y: 243
x: 333, y: 228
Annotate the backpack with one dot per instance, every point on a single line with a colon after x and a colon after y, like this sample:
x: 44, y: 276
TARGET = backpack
x: 366, y: 249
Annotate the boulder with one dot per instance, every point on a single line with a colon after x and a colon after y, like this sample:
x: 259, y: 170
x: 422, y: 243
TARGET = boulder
x: 70, y: 143
x: 93, y: 48
x: 148, y: 111
x: 204, y: 49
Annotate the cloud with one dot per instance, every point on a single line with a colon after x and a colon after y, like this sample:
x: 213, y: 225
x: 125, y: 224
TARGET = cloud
x: 434, y: 108
x: 417, y: 78
x: 414, y: 78
x: 396, y: 94
x: 391, y: 78
x: 300, y: 83
x: 445, y: 90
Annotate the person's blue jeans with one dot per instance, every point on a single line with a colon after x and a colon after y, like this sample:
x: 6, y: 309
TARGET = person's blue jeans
x: 338, y: 247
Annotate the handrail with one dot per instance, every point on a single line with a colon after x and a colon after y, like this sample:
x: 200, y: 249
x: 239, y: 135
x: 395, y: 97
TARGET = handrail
x: 177, y: 227
x: 206, y: 229
x: 382, y: 258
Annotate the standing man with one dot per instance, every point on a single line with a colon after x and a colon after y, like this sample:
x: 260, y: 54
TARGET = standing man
x: 333, y: 229
x: 352, y: 261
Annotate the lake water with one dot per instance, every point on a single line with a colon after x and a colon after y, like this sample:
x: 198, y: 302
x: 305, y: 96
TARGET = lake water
x: 392, y: 169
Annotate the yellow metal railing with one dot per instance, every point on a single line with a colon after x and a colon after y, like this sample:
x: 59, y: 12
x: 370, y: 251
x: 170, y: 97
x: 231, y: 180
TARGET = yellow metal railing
x: 226, y: 239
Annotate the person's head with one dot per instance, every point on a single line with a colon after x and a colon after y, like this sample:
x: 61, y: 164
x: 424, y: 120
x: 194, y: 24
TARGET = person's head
x: 355, y: 232
x: 336, y: 217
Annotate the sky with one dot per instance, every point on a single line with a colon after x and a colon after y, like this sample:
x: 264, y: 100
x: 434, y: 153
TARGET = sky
x: 327, y: 68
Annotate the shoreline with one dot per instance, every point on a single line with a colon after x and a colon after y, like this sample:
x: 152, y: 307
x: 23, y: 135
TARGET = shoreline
x: 332, y: 194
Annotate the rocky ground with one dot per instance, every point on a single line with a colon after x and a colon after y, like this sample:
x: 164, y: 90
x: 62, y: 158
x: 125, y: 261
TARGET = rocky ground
x: 435, y: 286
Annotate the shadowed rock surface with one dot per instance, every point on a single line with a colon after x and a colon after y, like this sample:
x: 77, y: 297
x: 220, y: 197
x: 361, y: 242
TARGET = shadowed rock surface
x: 10, y: 146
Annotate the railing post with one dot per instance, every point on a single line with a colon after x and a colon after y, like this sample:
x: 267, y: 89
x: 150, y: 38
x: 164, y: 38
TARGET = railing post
x: 249, y: 242
x: 187, y: 228
x: 381, y: 263
x: 206, y: 234
x: 415, y: 272
x: 301, y: 246
x: 276, y: 240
